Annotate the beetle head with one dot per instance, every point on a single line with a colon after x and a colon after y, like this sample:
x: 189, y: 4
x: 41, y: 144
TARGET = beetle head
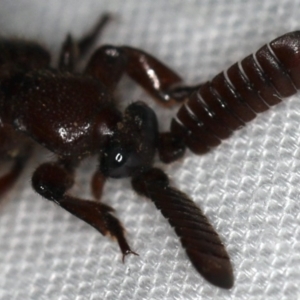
x: 132, y: 147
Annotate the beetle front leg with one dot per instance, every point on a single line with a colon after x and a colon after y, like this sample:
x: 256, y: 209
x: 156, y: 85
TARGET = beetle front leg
x: 53, y: 180
x: 97, y: 183
x: 109, y: 63
x: 154, y: 76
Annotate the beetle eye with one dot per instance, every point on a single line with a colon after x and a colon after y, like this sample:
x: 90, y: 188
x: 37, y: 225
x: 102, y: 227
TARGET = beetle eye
x: 117, y: 162
x: 117, y: 158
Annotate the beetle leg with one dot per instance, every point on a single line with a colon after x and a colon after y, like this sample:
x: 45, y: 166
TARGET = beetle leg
x: 72, y: 51
x: 201, y: 242
x: 109, y: 63
x: 156, y: 78
x: 182, y: 92
x: 53, y: 180
x: 97, y: 184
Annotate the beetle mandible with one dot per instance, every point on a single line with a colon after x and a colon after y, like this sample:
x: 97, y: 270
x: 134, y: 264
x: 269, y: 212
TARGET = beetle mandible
x: 75, y: 116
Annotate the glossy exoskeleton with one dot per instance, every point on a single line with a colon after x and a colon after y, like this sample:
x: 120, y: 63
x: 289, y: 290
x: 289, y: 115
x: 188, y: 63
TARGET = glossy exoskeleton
x: 75, y: 116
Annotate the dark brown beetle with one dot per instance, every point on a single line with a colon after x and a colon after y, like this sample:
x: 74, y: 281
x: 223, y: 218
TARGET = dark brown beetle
x: 75, y: 116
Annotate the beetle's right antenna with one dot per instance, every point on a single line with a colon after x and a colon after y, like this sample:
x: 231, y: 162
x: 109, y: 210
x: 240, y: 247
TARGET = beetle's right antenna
x: 201, y: 242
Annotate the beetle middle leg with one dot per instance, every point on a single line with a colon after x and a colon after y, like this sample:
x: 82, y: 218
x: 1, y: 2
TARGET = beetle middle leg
x: 109, y: 63
x: 53, y: 180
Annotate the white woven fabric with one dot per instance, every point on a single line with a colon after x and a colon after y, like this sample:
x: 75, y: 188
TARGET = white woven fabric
x: 248, y: 186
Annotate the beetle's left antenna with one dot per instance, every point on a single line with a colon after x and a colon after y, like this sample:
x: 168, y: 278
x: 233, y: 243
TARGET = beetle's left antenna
x: 72, y: 51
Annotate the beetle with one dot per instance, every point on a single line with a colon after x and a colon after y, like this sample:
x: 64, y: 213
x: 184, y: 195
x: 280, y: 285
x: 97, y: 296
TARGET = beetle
x: 75, y: 116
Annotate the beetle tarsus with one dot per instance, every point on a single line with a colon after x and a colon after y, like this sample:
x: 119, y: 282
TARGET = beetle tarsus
x: 128, y: 252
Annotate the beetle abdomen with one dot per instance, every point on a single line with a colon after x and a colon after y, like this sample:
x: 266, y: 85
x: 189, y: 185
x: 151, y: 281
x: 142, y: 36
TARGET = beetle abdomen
x: 235, y: 96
